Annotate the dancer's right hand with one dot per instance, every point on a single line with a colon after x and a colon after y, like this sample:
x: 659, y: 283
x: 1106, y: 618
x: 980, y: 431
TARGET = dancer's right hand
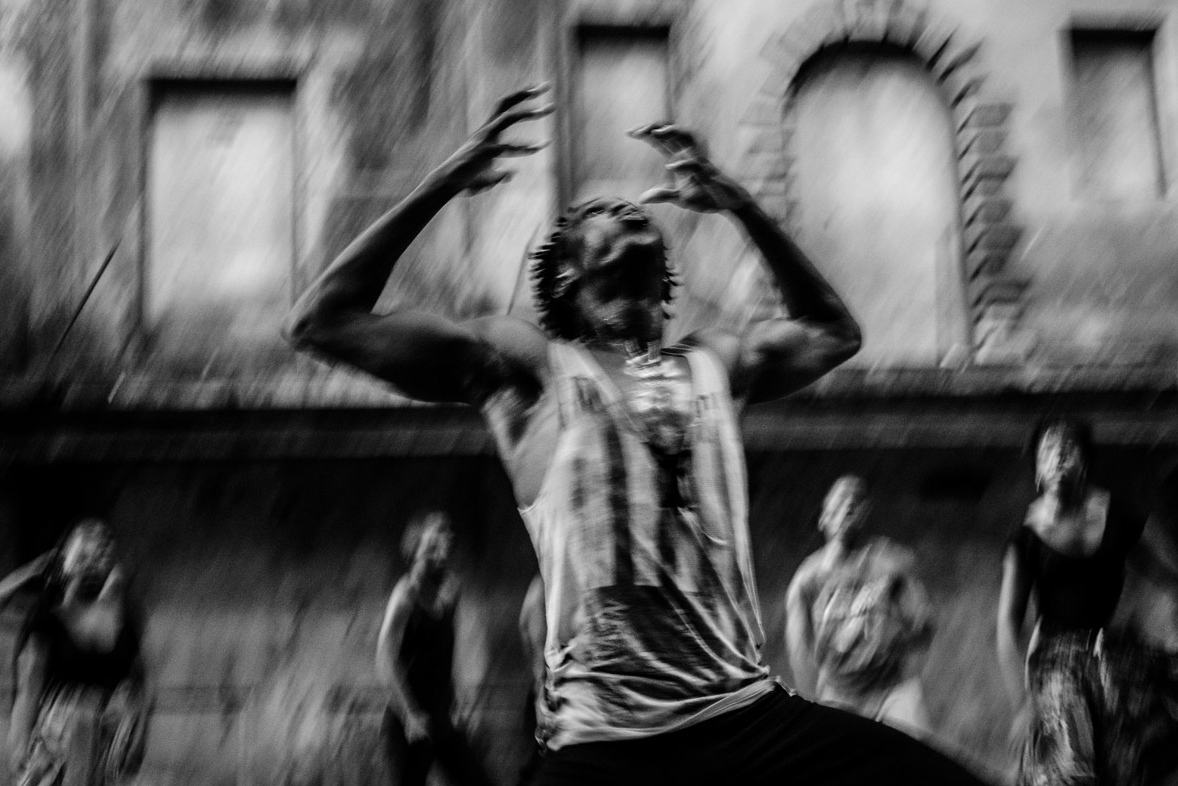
x: 472, y: 167
x: 416, y: 727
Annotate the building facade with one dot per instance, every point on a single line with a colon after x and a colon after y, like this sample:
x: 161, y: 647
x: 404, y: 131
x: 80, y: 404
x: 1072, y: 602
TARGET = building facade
x: 992, y: 184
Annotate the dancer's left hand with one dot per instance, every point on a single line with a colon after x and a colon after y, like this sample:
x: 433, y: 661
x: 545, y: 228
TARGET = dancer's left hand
x: 698, y: 184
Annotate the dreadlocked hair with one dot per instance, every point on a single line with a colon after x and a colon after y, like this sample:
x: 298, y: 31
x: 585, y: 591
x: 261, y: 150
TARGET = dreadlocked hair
x: 552, y: 290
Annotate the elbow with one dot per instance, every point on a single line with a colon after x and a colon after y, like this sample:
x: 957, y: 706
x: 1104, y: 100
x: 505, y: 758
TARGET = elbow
x: 848, y: 340
x: 305, y: 330
x: 298, y: 328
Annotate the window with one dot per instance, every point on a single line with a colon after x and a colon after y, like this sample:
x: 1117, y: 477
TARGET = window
x: 1115, y: 114
x: 878, y: 196
x: 220, y: 250
x: 621, y: 80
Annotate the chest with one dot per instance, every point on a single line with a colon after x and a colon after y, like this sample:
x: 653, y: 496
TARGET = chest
x: 1077, y: 533
x: 92, y: 627
x: 651, y: 395
x: 655, y: 405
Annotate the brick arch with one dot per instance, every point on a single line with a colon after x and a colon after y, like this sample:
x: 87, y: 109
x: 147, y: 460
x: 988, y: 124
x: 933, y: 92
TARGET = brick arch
x: 995, y: 298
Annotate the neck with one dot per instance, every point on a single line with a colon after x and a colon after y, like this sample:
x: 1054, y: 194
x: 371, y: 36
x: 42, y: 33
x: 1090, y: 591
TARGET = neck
x: 1068, y: 496
x: 843, y: 545
x: 629, y: 348
x: 428, y: 582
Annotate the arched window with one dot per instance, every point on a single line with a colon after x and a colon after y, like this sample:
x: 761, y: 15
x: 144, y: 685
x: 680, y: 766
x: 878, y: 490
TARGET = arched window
x: 878, y: 199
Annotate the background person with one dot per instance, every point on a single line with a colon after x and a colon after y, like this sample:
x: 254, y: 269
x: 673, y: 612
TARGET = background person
x: 79, y: 714
x: 415, y: 658
x: 857, y: 621
x: 1070, y: 554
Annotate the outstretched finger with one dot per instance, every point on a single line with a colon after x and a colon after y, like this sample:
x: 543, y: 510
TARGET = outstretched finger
x: 489, y: 180
x: 519, y: 149
x: 519, y: 96
x: 659, y: 194
x: 689, y: 164
x: 677, y: 139
x: 646, y: 133
x: 502, y: 122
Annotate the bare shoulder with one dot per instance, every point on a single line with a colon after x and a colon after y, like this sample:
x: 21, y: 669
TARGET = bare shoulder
x: 514, y: 339
x: 770, y: 359
x: 895, y: 555
x: 808, y: 574
x: 723, y: 344
x: 401, y: 598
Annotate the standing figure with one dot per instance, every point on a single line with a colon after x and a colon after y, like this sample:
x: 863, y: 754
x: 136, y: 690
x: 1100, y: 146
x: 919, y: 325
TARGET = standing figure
x: 628, y: 469
x: 856, y: 614
x: 1070, y: 554
x: 79, y: 713
x: 414, y: 658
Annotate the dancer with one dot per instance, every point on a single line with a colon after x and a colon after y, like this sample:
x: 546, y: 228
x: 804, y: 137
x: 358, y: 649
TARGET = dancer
x: 855, y: 610
x: 79, y: 714
x: 1070, y: 553
x: 627, y: 466
x: 414, y: 658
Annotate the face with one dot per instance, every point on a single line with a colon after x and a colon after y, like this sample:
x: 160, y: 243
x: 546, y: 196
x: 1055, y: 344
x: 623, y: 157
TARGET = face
x: 619, y: 281
x: 88, y: 557
x: 433, y: 550
x: 1059, y: 459
x: 845, y: 508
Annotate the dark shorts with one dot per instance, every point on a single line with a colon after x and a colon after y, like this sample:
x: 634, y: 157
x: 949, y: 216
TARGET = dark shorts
x: 778, y: 739
x: 447, y: 748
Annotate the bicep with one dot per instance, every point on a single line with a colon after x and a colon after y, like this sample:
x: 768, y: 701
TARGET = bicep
x: 392, y: 625
x: 1015, y: 591
x: 773, y: 358
x: 424, y: 356
x: 797, y: 612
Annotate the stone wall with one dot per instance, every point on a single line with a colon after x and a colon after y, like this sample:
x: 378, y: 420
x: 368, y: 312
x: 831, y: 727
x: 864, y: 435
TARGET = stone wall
x: 1052, y: 276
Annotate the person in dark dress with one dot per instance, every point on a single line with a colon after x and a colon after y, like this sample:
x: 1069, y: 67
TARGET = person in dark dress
x: 414, y: 656
x: 79, y: 715
x: 1070, y: 554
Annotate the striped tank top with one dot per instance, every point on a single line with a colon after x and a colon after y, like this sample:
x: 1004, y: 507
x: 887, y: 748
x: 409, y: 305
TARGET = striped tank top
x: 652, y: 611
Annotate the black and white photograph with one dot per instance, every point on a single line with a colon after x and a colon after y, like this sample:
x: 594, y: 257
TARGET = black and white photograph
x: 589, y: 392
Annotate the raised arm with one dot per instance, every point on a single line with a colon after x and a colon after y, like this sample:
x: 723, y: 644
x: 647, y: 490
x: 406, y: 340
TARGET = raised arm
x: 425, y: 356
x: 1013, y: 597
x: 774, y: 357
x: 391, y: 671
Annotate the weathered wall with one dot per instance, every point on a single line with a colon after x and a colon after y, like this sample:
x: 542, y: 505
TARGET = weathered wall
x: 266, y: 581
x: 1101, y: 273
x: 384, y: 90
x: 15, y: 120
